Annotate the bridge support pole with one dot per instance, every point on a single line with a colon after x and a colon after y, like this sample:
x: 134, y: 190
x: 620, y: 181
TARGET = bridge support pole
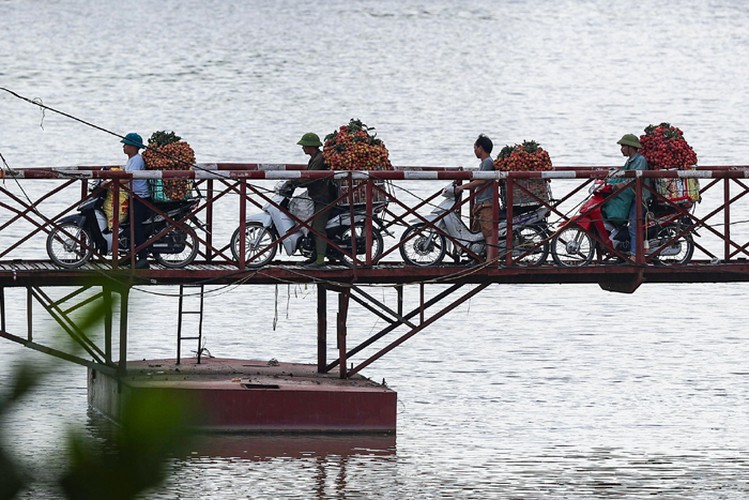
x: 343, y: 303
x: 107, y: 298
x: 322, y: 328
x: 124, y: 301
x: 2, y: 308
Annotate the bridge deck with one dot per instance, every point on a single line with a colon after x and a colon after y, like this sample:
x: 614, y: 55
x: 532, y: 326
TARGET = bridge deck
x: 717, y: 229
x: 44, y: 273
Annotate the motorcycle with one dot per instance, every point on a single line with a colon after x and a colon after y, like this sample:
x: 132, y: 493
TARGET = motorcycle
x: 588, y: 233
x: 76, y: 237
x: 264, y: 229
x: 425, y: 244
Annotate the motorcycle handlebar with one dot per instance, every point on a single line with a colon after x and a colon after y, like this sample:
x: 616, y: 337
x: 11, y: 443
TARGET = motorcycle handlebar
x: 449, y: 191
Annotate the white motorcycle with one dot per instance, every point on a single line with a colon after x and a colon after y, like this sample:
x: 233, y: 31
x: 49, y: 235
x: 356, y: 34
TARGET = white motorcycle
x: 425, y: 244
x: 264, y: 229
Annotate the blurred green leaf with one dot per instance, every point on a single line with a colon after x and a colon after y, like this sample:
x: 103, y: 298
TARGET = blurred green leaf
x: 155, y: 426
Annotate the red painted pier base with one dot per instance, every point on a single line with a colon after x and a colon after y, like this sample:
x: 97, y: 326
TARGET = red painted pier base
x: 254, y: 396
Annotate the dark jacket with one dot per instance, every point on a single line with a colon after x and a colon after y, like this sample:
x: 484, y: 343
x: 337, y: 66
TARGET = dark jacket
x: 321, y: 191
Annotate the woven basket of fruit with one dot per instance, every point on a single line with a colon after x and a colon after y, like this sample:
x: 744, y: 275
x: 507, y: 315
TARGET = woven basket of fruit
x: 355, y: 146
x: 525, y: 157
x: 665, y: 148
x: 166, y: 151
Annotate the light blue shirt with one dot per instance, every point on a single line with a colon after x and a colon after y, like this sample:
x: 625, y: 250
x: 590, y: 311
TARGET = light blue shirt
x: 140, y: 186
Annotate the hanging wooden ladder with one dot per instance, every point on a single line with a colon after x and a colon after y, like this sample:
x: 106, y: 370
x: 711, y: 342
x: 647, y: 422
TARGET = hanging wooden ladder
x: 183, y: 313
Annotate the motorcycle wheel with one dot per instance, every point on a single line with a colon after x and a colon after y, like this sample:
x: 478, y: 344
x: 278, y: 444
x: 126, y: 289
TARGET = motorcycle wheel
x: 183, y: 258
x: 530, y: 246
x: 69, y: 246
x: 257, y: 237
x: 422, y: 245
x: 572, y: 247
x: 361, y: 243
x: 684, y: 247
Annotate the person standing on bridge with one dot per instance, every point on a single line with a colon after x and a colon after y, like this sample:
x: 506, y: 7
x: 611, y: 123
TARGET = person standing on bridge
x: 320, y: 191
x: 483, y: 208
x: 131, y: 146
x: 623, y: 205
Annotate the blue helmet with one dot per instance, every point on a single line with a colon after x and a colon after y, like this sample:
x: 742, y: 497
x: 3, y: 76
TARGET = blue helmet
x: 133, y: 139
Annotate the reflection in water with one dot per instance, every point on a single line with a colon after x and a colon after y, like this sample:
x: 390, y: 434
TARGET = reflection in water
x: 323, y: 466
x: 267, y: 446
x: 321, y: 461
x: 332, y: 462
x: 526, y: 392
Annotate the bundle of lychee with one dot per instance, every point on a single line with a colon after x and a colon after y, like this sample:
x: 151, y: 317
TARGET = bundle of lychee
x: 664, y: 146
x: 528, y: 156
x: 167, y: 151
x: 355, y: 147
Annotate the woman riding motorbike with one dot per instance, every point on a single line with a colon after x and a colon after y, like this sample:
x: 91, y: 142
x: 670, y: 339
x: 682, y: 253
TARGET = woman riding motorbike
x: 621, y: 207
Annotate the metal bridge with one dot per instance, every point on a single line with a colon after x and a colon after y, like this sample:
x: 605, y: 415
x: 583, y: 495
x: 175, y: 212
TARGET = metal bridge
x: 33, y: 200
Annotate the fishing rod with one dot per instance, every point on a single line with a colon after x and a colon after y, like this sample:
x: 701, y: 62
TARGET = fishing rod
x: 37, y: 102
x: 66, y: 115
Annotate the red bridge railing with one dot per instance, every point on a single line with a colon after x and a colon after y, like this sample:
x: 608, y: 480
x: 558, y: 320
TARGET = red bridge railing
x: 33, y: 201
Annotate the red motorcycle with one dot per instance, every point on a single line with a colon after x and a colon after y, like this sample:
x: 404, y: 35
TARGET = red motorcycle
x: 588, y: 234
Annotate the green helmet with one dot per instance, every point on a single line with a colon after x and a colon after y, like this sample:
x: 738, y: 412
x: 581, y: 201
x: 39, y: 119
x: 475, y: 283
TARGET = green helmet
x: 310, y: 139
x: 630, y: 140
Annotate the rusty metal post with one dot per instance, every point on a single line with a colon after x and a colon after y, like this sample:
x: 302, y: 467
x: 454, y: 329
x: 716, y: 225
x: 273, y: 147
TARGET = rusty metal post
x: 242, y: 222
x: 492, y: 250
x: 2, y: 309
x: 509, y: 202
x: 107, y: 298
x: 180, y: 306
x: 209, y: 221
x: 124, y: 301
x: 726, y: 218
x: 322, y: 327
x: 131, y: 208
x: 639, y: 226
x: 116, y: 222
x: 29, y: 324
x: 421, y: 302
x: 350, y: 182
x: 368, y: 222
x: 343, y: 302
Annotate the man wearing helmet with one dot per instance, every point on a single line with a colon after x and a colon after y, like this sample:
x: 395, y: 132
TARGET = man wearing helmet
x: 131, y: 146
x: 320, y: 191
x: 622, y: 206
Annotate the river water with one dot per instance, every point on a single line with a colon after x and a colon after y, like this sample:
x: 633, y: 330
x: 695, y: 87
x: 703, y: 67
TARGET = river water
x: 525, y: 391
